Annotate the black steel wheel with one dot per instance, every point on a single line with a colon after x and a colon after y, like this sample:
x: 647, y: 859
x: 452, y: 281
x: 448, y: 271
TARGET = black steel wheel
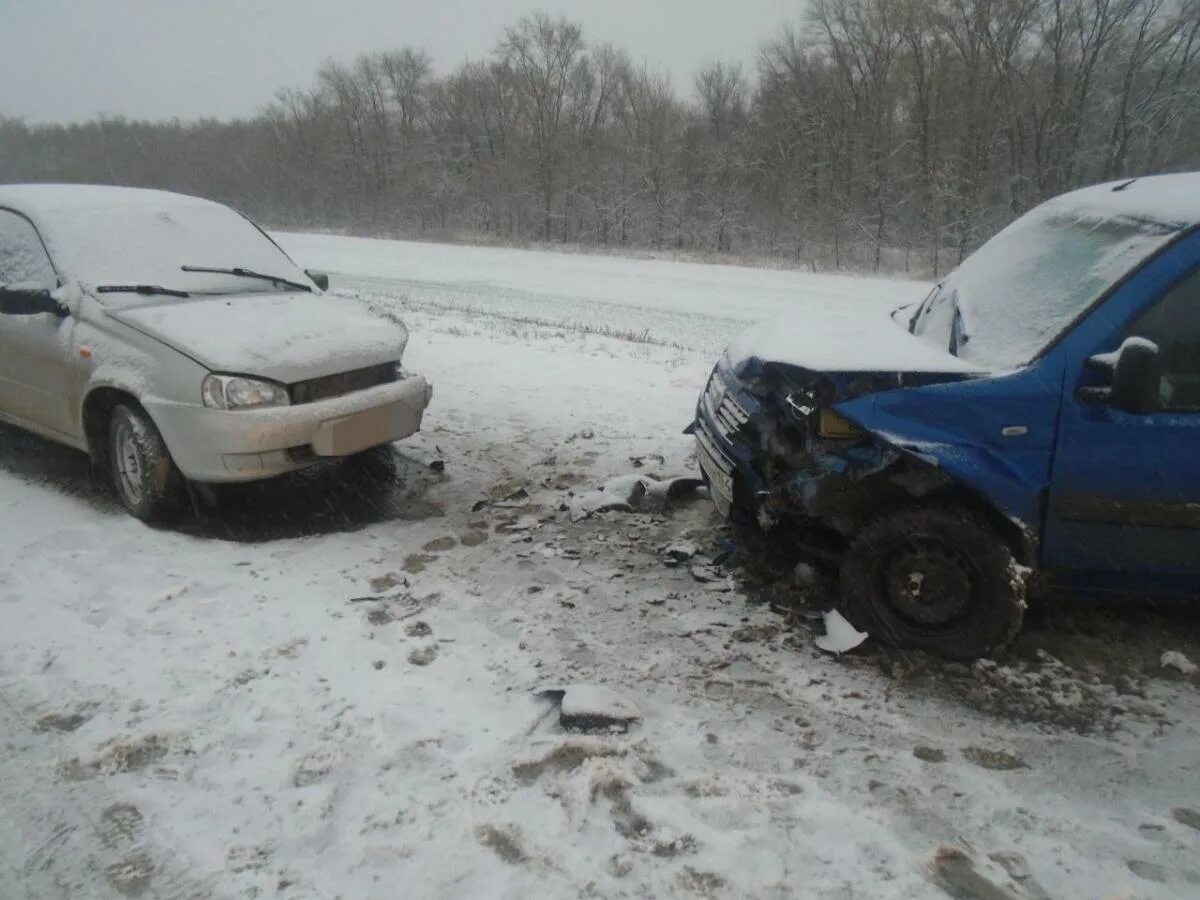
x: 937, y: 578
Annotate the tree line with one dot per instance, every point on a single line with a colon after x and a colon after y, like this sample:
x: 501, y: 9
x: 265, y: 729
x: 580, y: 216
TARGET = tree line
x: 873, y: 135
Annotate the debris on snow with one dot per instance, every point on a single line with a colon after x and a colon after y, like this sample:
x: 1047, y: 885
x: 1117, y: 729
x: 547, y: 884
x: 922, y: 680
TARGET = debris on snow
x: 520, y: 525
x: 664, y: 490
x: 710, y: 574
x: 839, y: 635
x: 679, y: 552
x: 1173, y: 659
x: 592, y: 708
x: 638, y: 461
x: 619, y: 494
x: 628, y: 493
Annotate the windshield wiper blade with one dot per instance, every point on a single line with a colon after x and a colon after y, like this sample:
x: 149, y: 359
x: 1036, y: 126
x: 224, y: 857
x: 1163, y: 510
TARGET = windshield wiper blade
x: 151, y: 290
x: 248, y: 273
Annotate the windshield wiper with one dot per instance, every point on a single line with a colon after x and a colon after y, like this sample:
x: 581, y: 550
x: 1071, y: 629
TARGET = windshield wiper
x: 151, y: 290
x: 249, y: 273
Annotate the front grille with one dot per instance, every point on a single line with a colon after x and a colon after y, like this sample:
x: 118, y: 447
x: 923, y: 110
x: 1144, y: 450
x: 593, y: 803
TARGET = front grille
x: 342, y: 383
x: 715, y: 453
x: 727, y: 412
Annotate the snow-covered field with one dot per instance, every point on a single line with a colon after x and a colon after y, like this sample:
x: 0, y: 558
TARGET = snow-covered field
x: 327, y: 687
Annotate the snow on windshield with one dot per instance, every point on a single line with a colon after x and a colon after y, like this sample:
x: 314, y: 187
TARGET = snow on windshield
x: 149, y: 243
x: 1015, y: 294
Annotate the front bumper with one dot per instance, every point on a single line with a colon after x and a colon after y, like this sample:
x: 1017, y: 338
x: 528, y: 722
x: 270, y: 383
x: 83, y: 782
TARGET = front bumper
x: 216, y: 445
x: 725, y: 456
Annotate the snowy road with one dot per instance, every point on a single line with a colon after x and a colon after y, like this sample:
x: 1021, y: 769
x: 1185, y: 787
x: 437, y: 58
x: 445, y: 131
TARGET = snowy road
x: 693, y: 305
x: 325, y: 688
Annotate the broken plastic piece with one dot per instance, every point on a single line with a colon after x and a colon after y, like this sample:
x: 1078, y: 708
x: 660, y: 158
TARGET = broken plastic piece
x: 592, y: 708
x: 839, y: 635
x: 631, y: 492
x: 679, y: 552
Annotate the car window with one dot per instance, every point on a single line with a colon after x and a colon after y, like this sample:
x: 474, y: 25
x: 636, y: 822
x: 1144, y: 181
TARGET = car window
x: 1173, y: 323
x: 1018, y: 291
x: 22, y: 256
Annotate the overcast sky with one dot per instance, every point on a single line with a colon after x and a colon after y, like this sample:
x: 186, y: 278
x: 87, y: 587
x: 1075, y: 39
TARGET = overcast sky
x: 65, y: 60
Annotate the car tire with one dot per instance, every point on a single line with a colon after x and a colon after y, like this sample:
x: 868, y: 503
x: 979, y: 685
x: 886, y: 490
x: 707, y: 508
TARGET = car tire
x: 147, y: 481
x: 935, y: 578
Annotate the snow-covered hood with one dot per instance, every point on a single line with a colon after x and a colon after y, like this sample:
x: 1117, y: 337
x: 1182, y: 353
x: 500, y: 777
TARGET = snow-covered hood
x: 844, y: 339
x: 284, y: 337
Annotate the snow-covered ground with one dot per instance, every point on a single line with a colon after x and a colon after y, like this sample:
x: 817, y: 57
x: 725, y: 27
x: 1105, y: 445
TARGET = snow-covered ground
x: 328, y: 686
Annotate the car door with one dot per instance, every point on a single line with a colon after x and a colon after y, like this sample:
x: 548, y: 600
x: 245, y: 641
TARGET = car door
x: 1124, y: 509
x: 35, y: 351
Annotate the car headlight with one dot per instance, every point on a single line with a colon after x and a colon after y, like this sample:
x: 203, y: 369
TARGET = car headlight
x: 239, y: 392
x: 831, y: 425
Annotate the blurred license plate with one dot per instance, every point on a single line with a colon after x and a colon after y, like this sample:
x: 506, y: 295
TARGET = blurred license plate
x: 720, y: 483
x: 350, y: 434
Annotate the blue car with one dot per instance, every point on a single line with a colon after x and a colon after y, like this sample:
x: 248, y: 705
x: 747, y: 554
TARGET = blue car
x: 1033, y: 424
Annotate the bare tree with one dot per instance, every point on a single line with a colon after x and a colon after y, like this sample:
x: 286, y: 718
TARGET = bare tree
x: 875, y: 134
x: 543, y: 53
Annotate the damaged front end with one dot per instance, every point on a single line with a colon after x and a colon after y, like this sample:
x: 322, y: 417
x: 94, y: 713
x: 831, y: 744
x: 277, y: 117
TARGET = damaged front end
x: 774, y: 448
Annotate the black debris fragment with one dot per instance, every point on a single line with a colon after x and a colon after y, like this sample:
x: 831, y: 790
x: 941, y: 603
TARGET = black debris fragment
x: 638, y: 461
x: 679, y: 552
x: 592, y: 708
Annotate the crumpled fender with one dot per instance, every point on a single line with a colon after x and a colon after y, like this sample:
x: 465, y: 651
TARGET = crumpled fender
x: 994, y: 435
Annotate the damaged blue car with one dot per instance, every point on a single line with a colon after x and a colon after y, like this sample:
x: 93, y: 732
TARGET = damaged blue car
x: 1033, y: 424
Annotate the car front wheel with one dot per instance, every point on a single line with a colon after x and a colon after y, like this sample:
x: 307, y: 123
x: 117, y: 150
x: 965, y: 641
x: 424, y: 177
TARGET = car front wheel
x: 147, y: 481
x: 937, y: 578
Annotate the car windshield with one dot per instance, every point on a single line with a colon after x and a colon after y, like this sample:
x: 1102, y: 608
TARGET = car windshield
x: 1015, y: 294
x: 149, y: 244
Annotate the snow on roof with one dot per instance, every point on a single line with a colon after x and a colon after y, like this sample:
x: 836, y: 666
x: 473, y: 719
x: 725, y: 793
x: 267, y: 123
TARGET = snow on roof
x: 40, y: 201
x: 1169, y: 199
x: 100, y: 235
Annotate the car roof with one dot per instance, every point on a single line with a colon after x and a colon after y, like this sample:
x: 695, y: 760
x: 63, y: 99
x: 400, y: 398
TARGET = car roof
x: 1169, y: 199
x: 46, y: 202
x: 100, y: 234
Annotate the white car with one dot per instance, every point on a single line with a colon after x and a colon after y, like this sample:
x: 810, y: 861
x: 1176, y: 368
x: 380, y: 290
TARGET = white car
x: 172, y: 339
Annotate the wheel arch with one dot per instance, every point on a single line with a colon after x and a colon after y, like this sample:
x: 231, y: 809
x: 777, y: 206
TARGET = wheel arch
x: 1021, y: 541
x: 912, y: 481
x: 96, y: 413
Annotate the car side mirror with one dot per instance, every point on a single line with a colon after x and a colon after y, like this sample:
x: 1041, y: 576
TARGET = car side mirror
x: 28, y: 300
x: 320, y: 279
x: 1136, y: 377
